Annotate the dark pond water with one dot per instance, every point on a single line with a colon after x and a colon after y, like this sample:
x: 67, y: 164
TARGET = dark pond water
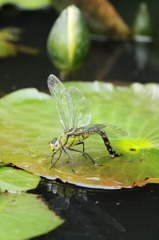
x: 89, y: 214
x: 100, y: 215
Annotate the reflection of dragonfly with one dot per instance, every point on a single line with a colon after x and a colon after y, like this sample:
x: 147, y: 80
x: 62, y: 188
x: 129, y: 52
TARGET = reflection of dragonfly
x: 75, y: 115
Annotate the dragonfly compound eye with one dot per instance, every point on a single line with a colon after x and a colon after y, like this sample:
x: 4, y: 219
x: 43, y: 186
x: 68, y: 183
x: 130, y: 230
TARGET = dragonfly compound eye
x: 54, y: 144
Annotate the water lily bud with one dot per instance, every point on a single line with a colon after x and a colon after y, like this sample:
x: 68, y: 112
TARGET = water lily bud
x: 68, y: 41
x: 143, y: 28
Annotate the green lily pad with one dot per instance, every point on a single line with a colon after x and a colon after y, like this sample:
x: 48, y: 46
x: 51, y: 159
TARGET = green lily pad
x: 29, y: 120
x: 17, y: 180
x: 27, y: 4
x: 24, y: 216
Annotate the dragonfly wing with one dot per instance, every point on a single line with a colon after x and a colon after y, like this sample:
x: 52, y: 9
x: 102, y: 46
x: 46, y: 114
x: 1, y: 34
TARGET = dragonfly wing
x: 81, y: 108
x: 114, y: 131
x: 91, y: 128
x: 63, y: 101
x: 110, y: 130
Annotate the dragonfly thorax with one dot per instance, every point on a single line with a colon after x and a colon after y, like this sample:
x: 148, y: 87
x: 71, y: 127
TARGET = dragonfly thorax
x: 55, y: 145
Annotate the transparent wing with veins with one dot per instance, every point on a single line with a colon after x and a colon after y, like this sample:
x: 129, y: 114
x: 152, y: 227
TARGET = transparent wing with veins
x: 73, y: 108
x: 81, y: 115
x: 63, y: 101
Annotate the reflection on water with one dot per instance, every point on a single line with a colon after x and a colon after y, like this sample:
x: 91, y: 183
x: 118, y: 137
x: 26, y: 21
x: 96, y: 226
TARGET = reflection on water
x: 141, y: 54
x: 79, y: 197
x: 100, y: 215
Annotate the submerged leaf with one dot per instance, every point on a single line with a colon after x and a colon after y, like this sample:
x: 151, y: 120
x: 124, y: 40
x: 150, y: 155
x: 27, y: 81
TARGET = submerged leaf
x: 24, y: 216
x: 28, y: 121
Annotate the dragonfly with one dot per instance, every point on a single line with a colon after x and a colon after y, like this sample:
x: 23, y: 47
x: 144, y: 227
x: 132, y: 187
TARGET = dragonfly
x: 75, y: 115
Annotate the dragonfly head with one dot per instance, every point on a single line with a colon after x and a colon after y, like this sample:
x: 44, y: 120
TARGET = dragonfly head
x: 55, y: 145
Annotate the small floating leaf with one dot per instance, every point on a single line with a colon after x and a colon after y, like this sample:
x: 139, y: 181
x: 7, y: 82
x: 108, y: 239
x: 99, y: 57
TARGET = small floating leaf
x: 17, y: 180
x: 68, y: 41
x: 7, y: 46
x: 28, y: 121
x: 10, y: 34
x: 7, y: 49
x: 24, y: 216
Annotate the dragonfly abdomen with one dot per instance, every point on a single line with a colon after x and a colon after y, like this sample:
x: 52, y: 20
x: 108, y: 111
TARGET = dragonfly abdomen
x: 107, y: 144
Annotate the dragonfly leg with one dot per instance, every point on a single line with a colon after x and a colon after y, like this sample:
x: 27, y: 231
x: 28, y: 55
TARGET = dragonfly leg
x: 70, y: 158
x: 83, y: 148
x: 52, y: 157
x: 56, y: 159
x: 84, y: 154
x: 108, y: 146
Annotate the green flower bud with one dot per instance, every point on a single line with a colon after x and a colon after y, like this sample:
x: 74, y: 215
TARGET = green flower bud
x: 68, y: 41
